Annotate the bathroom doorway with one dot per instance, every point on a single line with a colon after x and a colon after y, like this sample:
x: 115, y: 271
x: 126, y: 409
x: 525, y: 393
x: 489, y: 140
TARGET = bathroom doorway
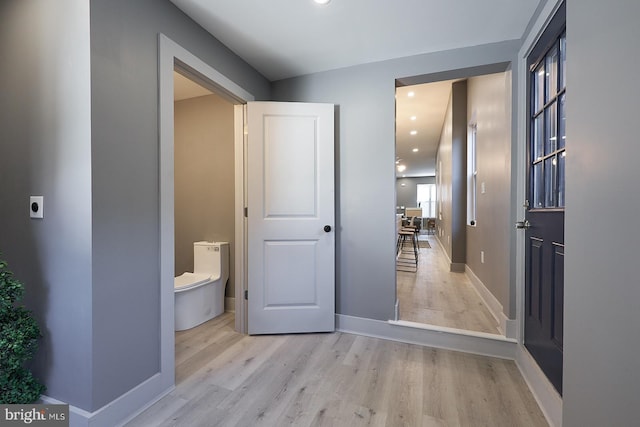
x: 203, y: 174
x: 174, y: 58
x: 203, y: 208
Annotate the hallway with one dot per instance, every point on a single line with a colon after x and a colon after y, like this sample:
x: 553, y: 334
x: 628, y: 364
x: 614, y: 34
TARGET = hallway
x: 433, y: 295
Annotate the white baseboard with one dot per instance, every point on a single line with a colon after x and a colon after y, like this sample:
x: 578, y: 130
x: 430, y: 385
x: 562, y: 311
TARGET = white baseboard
x: 549, y: 401
x: 230, y: 304
x: 77, y: 417
x: 119, y: 411
x: 444, y: 250
x: 508, y: 327
x: 430, y: 336
x: 454, y: 267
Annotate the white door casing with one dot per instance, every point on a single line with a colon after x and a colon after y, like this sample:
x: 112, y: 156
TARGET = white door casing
x: 290, y: 200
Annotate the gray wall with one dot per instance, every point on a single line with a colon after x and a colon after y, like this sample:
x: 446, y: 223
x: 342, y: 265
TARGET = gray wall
x: 45, y: 149
x: 204, y: 176
x: 406, y: 195
x: 365, y: 170
x: 444, y: 165
x: 601, y: 324
x: 452, y: 188
x: 88, y: 317
x: 125, y: 181
x: 459, y: 174
x: 79, y: 125
x: 489, y: 101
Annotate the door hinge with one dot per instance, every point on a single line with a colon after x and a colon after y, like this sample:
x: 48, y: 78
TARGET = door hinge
x: 246, y: 212
x: 246, y: 294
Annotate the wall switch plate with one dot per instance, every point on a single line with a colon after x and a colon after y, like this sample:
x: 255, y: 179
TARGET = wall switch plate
x: 36, y: 206
x: 483, y: 189
x: 482, y: 257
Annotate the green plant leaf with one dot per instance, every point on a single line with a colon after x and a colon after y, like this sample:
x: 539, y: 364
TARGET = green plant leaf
x: 19, y: 334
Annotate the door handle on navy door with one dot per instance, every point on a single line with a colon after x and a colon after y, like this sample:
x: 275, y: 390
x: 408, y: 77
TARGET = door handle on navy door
x: 523, y: 225
x: 327, y: 228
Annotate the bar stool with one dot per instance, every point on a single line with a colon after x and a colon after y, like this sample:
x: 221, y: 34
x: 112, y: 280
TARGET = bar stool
x: 404, y: 235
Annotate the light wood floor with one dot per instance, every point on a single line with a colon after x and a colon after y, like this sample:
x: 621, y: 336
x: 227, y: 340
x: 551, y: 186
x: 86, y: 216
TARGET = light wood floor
x: 436, y: 296
x: 334, y: 379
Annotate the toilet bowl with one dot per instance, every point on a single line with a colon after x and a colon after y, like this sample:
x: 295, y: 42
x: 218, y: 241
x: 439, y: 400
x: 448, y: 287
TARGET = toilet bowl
x: 199, y: 296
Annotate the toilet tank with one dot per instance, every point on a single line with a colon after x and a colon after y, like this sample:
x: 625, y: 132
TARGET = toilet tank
x: 208, y: 257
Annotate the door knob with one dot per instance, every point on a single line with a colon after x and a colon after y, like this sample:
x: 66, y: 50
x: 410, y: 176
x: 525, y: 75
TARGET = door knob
x: 524, y: 225
x: 327, y: 228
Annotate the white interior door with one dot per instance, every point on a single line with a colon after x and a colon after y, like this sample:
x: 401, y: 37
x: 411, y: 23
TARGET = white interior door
x: 290, y: 199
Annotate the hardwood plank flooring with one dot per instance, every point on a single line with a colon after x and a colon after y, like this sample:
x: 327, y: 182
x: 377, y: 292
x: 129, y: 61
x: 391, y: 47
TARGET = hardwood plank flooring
x: 334, y: 379
x: 433, y: 295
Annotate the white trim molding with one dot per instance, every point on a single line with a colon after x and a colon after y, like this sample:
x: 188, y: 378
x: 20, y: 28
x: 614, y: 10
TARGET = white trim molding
x: 429, y: 336
x: 119, y: 411
x: 549, y: 401
x: 508, y: 327
x: 230, y: 304
x: 240, y: 139
x: 454, y: 267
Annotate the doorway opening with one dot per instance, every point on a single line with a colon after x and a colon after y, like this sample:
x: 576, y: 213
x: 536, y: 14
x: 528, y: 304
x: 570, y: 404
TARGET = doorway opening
x: 174, y: 58
x: 462, y: 274
x: 203, y: 212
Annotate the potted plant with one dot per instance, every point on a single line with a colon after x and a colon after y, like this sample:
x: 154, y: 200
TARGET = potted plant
x: 19, y: 335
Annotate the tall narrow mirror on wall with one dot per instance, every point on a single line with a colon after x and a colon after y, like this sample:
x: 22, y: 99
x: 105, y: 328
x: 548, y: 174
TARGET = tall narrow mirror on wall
x: 453, y: 177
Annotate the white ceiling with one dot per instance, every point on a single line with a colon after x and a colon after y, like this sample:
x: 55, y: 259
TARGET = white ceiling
x: 287, y: 38
x: 428, y: 105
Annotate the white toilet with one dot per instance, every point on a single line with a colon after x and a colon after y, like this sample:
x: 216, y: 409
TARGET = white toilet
x: 199, y: 296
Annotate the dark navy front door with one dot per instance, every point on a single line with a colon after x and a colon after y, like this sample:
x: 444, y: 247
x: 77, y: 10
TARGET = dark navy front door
x: 544, y: 226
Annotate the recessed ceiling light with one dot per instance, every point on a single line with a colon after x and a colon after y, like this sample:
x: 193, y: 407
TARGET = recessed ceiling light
x: 411, y: 94
x: 415, y: 150
x: 413, y: 118
x: 322, y: 1
x: 414, y: 132
x: 401, y: 168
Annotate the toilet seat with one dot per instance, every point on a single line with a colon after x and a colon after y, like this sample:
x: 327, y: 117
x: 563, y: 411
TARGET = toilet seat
x: 189, y: 280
